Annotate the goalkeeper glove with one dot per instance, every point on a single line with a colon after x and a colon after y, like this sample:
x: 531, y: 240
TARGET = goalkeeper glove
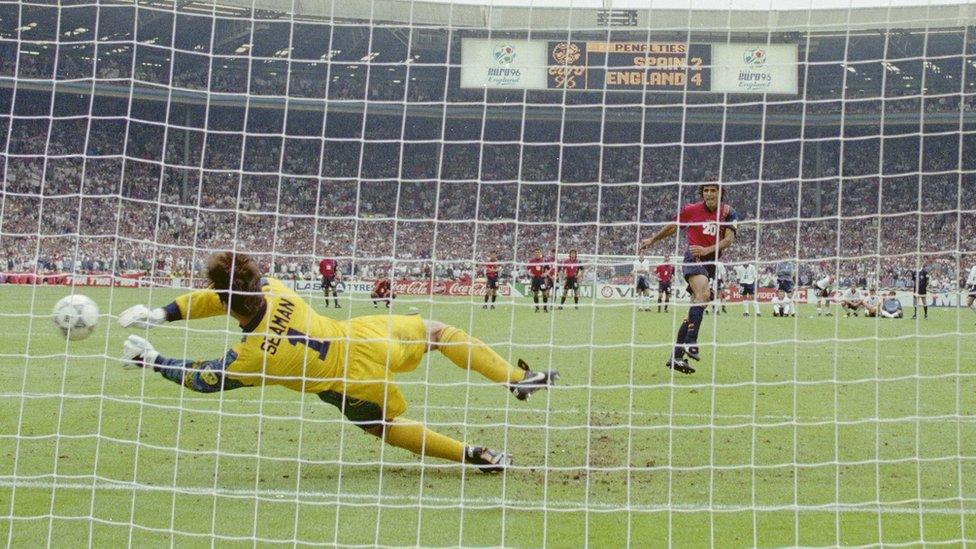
x: 142, y: 317
x: 138, y: 352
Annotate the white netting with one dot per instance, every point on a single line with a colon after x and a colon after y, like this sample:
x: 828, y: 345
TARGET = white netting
x: 397, y: 138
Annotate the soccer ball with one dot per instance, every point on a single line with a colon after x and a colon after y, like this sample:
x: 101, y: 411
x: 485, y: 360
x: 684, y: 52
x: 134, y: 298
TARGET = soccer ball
x: 76, y: 316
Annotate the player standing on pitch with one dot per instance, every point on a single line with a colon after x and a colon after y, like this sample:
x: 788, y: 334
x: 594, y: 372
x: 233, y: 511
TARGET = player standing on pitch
x: 491, y: 280
x: 747, y: 276
x: 665, y: 273
x: 920, y: 285
x: 785, y: 277
x: 642, y: 274
x: 720, y: 274
x: 571, y: 269
x: 711, y: 227
x: 538, y: 269
x: 971, y: 288
x: 329, y: 269
x: 552, y: 262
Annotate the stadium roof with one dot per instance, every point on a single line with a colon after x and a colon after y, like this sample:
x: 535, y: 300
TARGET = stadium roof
x: 552, y: 15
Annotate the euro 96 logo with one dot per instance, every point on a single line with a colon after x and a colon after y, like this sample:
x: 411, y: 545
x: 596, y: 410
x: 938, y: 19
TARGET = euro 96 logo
x: 504, y: 54
x: 755, y: 57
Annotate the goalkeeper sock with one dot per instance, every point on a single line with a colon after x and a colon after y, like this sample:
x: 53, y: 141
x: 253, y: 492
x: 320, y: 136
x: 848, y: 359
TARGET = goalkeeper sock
x: 413, y: 436
x: 471, y: 353
x: 493, y: 297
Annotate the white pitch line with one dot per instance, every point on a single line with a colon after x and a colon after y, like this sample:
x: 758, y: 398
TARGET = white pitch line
x: 135, y: 399
x: 909, y: 508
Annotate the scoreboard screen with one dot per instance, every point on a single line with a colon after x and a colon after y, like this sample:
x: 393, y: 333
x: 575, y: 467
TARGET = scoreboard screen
x: 659, y: 66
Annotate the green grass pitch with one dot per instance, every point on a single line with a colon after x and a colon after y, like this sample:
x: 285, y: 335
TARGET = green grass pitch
x: 812, y: 432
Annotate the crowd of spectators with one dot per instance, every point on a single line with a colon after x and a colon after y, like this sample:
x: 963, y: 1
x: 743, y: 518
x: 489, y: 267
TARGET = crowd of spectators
x: 863, y: 212
x: 155, y: 186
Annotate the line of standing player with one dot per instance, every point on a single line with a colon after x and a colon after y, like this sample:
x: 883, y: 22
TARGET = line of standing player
x: 544, y: 272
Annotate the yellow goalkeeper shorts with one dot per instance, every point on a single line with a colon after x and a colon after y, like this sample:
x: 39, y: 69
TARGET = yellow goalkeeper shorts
x: 379, y: 347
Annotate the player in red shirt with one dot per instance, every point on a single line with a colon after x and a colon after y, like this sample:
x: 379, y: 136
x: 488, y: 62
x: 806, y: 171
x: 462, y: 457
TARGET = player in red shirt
x: 382, y: 291
x: 329, y: 269
x: 538, y: 269
x: 710, y: 226
x: 571, y: 269
x: 491, y: 280
x: 664, y: 272
x: 553, y: 263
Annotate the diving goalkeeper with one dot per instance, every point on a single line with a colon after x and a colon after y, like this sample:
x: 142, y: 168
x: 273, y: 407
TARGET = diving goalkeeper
x: 350, y: 364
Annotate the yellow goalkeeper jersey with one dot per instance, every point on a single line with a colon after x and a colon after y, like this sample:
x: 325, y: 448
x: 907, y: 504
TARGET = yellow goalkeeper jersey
x: 289, y: 343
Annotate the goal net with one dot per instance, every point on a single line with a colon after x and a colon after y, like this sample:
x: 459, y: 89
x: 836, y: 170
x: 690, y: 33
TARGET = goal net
x: 429, y: 144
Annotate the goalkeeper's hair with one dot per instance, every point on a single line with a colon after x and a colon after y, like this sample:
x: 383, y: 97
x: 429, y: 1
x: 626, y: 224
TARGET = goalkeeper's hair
x: 236, y: 278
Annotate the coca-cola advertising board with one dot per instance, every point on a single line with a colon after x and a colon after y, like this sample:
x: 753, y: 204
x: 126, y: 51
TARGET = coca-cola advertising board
x: 409, y: 287
x: 445, y: 287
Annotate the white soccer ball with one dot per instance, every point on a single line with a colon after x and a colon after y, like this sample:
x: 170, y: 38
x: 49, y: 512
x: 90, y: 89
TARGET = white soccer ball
x: 76, y: 316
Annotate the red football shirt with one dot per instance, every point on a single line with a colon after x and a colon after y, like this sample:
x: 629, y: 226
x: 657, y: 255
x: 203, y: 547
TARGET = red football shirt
x: 571, y: 268
x: 538, y: 267
x: 381, y: 286
x: 491, y: 270
x: 664, y: 273
x: 553, y: 263
x: 703, y: 226
x: 327, y: 267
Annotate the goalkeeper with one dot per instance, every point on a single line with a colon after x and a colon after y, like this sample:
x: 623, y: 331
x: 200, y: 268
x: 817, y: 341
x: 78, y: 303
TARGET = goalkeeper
x: 349, y: 364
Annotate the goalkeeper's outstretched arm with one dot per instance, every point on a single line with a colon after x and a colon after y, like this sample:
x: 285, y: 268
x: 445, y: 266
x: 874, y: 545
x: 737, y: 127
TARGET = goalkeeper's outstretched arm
x: 198, y: 304
x: 206, y: 376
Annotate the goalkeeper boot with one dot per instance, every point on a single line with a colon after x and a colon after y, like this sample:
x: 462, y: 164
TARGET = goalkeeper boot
x: 692, y: 353
x: 532, y: 382
x: 679, y: 365
x: 488, y: 460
